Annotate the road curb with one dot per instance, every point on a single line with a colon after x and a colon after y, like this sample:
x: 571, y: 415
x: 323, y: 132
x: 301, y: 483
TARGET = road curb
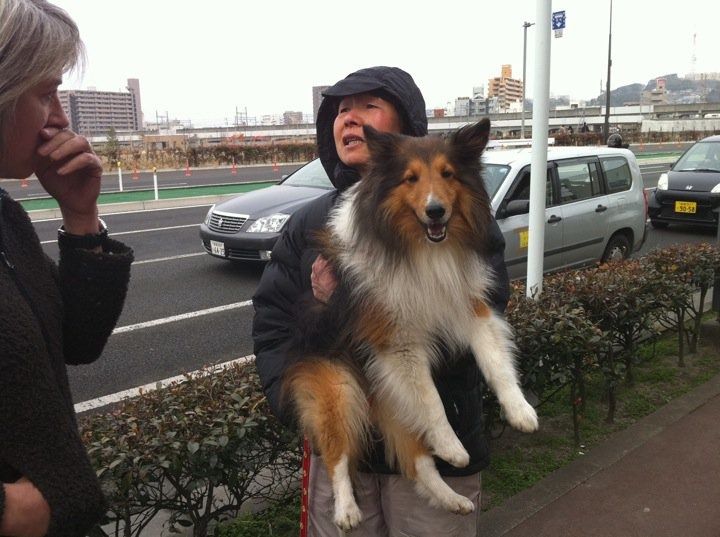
x: 136, y: 206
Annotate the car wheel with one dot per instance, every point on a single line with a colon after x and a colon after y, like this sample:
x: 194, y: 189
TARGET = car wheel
x: 656, y: 224
x: 618, y: 248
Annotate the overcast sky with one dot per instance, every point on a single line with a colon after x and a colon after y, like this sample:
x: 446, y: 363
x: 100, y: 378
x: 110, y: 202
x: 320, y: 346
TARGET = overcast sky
x: 200, y: 60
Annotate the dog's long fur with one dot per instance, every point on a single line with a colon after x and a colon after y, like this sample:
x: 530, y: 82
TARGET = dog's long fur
x: 407, y: 243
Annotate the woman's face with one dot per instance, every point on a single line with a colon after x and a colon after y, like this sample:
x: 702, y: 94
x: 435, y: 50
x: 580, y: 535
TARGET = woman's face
x: 354, y: 112
x: 37, y: 108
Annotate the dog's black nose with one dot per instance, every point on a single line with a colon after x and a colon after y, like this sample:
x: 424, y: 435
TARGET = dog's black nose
x: 434, y: 210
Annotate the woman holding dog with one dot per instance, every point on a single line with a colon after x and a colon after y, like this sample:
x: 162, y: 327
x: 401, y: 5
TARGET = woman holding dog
x: 387, y: 99
x: 50, y: 315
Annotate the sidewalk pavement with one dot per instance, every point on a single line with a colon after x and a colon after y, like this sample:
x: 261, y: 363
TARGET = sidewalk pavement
x: 658, y: 478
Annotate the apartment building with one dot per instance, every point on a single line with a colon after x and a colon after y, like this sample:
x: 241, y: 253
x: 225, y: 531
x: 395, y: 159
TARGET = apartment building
x: 505, y: 89
x: 317, y: 99
x: 93, y: 113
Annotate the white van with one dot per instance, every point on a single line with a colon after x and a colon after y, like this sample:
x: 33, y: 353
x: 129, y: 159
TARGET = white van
x: 596, y: 208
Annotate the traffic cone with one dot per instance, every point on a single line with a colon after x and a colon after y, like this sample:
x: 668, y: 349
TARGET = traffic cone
x: 188, y: 173
x: 135, y: 174
x: 23, y: 183
x: 233, y: 170
x: 275, y: 167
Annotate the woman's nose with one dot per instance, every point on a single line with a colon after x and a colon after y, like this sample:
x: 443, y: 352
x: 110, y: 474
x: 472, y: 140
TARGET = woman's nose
x: 352, y: 117
x: 58, y: 118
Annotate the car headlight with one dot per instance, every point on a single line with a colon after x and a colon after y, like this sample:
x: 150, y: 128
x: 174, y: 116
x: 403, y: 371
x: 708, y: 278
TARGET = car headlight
x: 663, y: 182
x: 208, y: 215
x: 269, y: 224
x: 716, y: 189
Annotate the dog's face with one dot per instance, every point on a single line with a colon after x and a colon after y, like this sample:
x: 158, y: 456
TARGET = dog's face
x: 428, y: 190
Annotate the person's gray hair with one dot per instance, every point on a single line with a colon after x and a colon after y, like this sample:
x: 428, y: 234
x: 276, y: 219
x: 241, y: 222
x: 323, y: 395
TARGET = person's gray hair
x: 38, y: 40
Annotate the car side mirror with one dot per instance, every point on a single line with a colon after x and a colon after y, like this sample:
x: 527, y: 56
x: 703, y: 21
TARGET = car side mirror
x: 514, y: 208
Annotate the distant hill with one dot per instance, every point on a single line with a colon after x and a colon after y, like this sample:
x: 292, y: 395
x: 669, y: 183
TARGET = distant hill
x: 680, y: 90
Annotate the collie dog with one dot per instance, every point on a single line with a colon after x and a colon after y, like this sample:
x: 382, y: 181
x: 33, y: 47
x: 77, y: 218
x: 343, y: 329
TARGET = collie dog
x: 407, y: 244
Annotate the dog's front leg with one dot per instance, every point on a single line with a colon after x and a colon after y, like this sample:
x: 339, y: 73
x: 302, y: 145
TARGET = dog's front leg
x: 492, y: 345
x: 402, y: 379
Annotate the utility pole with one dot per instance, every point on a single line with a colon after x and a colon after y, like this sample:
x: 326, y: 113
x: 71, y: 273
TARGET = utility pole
x: 606, y: 127
x: 526, y: 25
x: 538, y: 164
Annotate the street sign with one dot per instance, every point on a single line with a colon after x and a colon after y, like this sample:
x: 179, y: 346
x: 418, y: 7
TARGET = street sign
x: 558, y: 23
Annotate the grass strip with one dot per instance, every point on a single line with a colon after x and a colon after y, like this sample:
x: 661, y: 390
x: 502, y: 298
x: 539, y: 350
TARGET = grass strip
x: 149, y: 195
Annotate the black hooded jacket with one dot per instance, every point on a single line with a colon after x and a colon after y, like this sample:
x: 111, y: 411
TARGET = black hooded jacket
x: 286, y: 279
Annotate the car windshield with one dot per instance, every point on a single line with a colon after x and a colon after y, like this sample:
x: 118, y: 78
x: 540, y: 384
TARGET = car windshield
x: 312, y: 174
x: 703, y: 156
x: 494, y: 175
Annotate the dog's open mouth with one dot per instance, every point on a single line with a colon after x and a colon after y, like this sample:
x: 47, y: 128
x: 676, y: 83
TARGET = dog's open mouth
x: 436, y: 231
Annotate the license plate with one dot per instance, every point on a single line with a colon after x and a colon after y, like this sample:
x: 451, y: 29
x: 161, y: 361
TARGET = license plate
x: 686, y: 207
x: 217, y: 248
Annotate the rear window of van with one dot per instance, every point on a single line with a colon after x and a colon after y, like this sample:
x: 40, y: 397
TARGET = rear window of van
x: 617, y: 172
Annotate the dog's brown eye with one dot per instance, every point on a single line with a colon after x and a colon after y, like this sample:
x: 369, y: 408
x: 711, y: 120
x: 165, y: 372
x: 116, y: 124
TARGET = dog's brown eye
x: 412, y: 178
x: 446, y: 174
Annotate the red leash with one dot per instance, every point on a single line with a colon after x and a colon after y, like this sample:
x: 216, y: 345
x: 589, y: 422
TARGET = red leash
x: 305, y: 500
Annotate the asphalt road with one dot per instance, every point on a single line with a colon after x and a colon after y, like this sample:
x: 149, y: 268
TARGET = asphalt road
x: 166, y: 328
x: 166, y: 179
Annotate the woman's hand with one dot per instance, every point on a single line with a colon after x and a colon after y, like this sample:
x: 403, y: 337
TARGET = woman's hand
x: 27, y: 513
x: 70, y: 171
x: 322, y: 279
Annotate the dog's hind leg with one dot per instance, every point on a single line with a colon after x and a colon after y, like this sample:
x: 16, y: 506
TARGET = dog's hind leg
x: 333, y: 411
x: 406, y: 451
x: 493, y: 347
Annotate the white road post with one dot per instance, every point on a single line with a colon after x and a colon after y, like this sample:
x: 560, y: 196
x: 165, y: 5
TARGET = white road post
x: 155, y: 186
x: 538, y: 163
x: 120, y: 175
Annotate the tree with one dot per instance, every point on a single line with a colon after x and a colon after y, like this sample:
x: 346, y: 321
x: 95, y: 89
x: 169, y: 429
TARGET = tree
x: 112, y: 147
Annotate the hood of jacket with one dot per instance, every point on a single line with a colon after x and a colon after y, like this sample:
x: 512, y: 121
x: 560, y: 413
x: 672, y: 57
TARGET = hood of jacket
x: 390, y: 83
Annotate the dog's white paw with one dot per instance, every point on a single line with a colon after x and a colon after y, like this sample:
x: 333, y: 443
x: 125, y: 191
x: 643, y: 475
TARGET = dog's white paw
x: 347, y: 515
x: 449, y: 449
x: 456, y: 503
x: 521, y: 415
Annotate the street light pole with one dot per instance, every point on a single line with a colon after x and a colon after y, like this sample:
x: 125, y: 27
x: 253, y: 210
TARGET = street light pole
x: 606, y: 127
x: 526, y: 25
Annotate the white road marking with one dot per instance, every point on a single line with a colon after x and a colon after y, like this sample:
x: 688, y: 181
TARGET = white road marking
x: 149, y: 230
x: 181, y: 317
x: 102, y: 214
x: 105, y: 400
x: 169, y: 258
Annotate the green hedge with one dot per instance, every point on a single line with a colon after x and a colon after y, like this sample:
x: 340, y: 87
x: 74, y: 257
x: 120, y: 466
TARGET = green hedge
x: 201, y: 449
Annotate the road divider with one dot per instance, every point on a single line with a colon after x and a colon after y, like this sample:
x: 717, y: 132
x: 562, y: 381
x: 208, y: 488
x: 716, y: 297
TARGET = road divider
x: 165, y: 194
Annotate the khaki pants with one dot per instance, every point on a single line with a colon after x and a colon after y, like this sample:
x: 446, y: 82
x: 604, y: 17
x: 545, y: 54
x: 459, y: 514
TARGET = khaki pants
x: 390, y: 507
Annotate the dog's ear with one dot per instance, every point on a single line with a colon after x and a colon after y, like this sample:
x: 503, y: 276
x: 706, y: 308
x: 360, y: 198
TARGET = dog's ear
x: 469, y: 141
x: 379, y: 143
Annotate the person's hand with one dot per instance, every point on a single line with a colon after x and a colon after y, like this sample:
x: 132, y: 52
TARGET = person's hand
x: 322, y: 279
x: 70, y: 171
x: 27, y: 513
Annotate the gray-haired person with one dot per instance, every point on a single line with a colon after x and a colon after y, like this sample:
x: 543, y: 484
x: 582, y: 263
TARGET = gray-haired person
x: 50, y: 315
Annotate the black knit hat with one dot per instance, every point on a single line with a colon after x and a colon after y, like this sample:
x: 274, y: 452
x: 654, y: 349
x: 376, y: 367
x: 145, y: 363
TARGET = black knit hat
x: 390, y: 83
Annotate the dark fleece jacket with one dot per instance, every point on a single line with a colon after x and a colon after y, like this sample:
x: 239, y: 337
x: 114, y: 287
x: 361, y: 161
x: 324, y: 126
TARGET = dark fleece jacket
x: 52, y: 315
x: 286, y: 280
